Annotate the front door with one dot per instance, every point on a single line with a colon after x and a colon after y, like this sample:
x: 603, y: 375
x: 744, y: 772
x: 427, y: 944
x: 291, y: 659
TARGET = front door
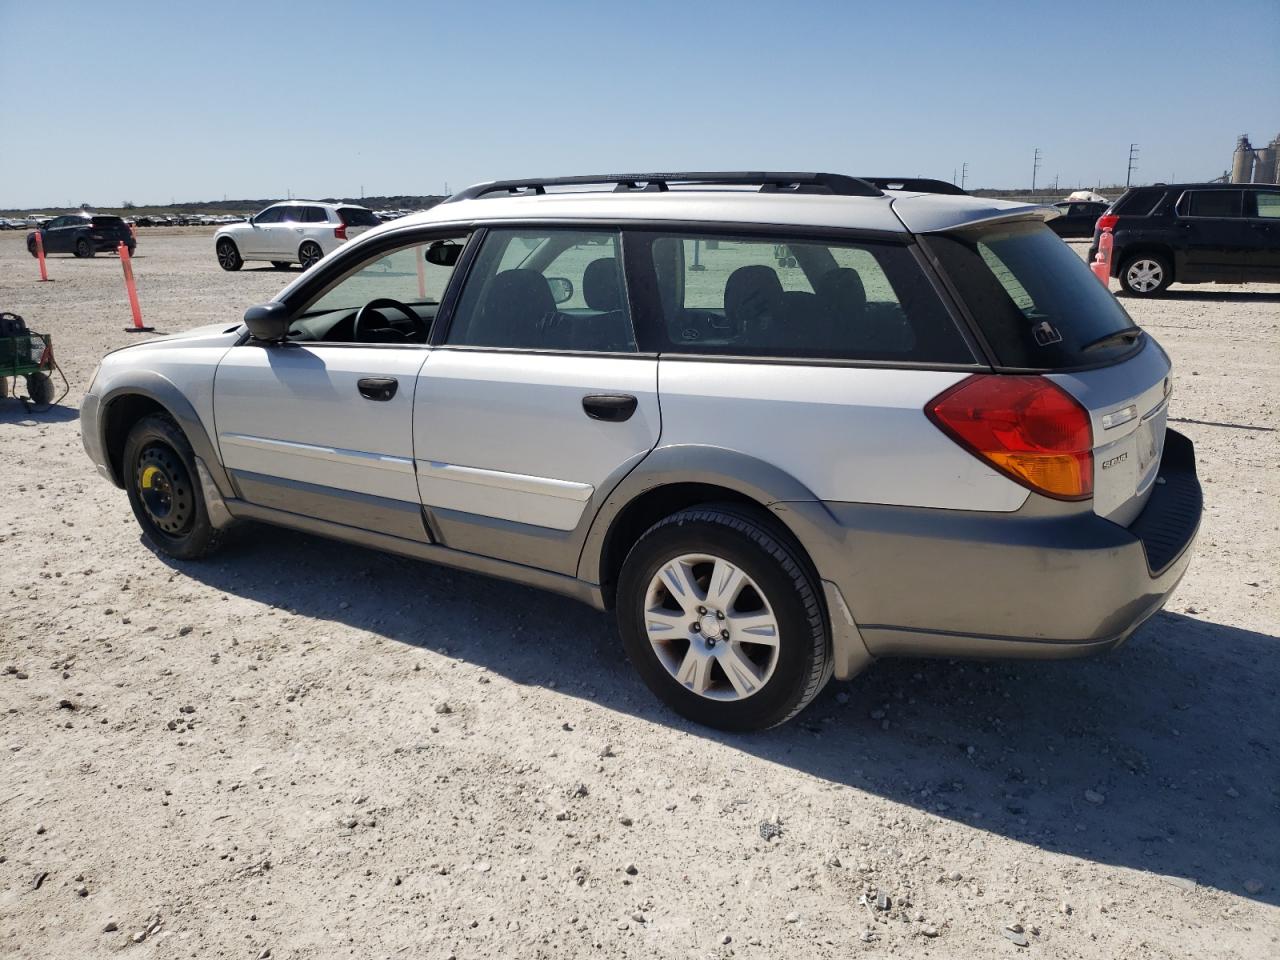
x: 536, y: 400
x: 322, y: 424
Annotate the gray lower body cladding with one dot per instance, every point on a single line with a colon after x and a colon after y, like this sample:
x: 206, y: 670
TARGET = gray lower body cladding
x: 1050, y: 580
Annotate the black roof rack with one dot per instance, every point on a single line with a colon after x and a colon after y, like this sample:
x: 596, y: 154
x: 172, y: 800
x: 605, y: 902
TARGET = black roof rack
x: 770, y: 182
x: 916, y: 185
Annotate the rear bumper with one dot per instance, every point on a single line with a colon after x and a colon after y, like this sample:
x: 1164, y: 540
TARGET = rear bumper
x: 1047, y: 581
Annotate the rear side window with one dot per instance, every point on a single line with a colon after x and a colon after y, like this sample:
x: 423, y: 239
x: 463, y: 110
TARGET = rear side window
x: 1036, y: 302
x: 1138, y: 203
x: 1211, y: 203
x: 787, y: 297
x: 313, y: 215
x: 1267, y: 204
x: 358, y: 217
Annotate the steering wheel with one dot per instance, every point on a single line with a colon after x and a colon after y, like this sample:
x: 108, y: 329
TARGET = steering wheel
x: 419, y: 328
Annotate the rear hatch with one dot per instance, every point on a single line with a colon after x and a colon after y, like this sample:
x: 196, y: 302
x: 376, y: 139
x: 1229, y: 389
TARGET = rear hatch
x: 108, y: 228
x: 357, y: 220
x: 1038, y: 309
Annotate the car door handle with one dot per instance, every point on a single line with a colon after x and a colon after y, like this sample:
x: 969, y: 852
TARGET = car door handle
x: 613, y: 407
x: 378, y: 388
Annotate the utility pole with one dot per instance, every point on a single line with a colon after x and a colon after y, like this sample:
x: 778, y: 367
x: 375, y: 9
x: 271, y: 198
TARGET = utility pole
x: 1133, y: 156
x: 1035, y: 168
x: 964, y: 173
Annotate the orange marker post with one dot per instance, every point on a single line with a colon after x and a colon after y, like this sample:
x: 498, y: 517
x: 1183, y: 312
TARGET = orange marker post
x: 44, y: 274
x: 1101, y: 265
x: 131, y: 287
x: 422, y: 275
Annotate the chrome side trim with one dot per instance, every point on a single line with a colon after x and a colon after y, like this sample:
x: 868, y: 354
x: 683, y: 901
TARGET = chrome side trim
x: 358, y: 458
x: 518, y: 482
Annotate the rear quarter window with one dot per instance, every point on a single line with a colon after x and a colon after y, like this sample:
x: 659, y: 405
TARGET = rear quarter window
x: 1138, y: 203
x: 1034, y: 300
x: 788, y: 297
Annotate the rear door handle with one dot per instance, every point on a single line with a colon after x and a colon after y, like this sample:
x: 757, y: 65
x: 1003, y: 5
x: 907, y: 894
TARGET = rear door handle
x: 613, y: 407
x: 377, y: 388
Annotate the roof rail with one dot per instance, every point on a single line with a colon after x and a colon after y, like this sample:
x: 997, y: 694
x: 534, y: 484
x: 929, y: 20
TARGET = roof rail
x: 770, y: 182
x: 916, y: 185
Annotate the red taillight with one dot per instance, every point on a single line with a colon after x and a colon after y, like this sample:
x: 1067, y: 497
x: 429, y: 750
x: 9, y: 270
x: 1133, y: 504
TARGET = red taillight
x: 340, y: 232
x: 1028, y: 428
x: 1107, y: 221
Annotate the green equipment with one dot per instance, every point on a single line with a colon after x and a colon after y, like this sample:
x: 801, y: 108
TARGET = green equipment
x: 28, y: 355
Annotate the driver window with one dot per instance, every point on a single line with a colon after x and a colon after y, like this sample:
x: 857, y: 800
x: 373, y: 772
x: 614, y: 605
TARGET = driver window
x: 398, y: 291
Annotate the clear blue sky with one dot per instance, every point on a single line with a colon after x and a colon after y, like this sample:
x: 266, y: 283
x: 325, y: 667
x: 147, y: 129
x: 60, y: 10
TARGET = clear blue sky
x: 106, y: 101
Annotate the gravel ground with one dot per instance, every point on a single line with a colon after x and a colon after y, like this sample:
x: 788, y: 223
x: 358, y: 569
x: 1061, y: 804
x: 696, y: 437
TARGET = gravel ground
x: 303, y: 749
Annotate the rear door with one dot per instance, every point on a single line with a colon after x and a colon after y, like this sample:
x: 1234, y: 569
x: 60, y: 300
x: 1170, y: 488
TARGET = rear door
x: 1217, y: 238
x: 1041, y: 310
x: 1263, y: 209
x: 535, y: 400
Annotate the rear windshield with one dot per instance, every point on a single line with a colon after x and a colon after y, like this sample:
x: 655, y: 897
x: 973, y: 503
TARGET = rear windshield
x: 108, y: 223
x: 1036, y: 302
x: 358, y: 217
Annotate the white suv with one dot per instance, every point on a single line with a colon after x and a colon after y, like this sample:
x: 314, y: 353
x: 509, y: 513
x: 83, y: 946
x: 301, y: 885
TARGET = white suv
x: 300, y: 231
x: 783, y: 423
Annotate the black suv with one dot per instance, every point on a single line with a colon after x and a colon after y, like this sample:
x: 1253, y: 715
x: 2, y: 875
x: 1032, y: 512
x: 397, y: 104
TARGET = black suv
x: 1078, y: 218
x: 1193, y: 233
x: 82, y: 234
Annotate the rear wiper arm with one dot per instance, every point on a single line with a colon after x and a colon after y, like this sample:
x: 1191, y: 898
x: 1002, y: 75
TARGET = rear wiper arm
x: 1128, y: 334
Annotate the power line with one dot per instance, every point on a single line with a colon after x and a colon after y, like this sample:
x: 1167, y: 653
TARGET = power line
x: 1133, y: 156
x: 1035, y: 168
x: 964, y: 173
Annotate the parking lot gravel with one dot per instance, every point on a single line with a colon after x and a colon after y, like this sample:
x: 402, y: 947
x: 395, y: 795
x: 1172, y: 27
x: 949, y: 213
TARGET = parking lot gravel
x: 304, y: 749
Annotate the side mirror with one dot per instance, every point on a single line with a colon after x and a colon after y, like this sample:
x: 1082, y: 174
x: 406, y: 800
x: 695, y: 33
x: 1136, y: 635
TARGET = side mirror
x: 267, y: 322
x: 444, y: 253
x: 561, y: 288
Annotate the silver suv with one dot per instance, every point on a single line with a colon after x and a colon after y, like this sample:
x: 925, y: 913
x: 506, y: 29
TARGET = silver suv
x: 782, y: 423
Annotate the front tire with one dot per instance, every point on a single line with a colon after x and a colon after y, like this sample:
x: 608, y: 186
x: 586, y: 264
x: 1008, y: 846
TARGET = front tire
x: 1146, y: 275
x: 164, y: 489
x: 228, y: 255
x: 722, y: 619
x: 309, y: 253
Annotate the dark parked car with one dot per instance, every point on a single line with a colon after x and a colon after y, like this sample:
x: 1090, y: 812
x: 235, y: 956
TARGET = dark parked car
x: 83, y: 235
x: 1078, y: 218
x: 1193, y: 233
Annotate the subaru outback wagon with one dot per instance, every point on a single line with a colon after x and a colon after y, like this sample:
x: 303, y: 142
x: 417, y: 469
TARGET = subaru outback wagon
x: 783, y: 424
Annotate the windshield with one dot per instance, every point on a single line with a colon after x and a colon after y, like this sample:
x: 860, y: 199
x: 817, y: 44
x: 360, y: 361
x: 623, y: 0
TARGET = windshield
x: 1034, y: 299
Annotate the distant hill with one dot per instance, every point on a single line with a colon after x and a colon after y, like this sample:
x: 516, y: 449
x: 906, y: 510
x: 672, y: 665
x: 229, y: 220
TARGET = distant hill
x: 240, y: 207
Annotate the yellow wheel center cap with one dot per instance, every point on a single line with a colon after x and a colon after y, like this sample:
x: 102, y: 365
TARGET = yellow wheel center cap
x: 148, y: 476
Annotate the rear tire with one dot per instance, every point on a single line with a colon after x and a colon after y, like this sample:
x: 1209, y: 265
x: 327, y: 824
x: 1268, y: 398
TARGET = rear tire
x: 769, y: 620
x: 84, y: 249
x: 1146, y: 275
x: 228, y: 255
x: 309, y: 253
x: 164, y: 489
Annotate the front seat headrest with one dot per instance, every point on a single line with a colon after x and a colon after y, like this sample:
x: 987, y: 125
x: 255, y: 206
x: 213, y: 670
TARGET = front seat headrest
x: 515, y: 304
x: 602, y: 285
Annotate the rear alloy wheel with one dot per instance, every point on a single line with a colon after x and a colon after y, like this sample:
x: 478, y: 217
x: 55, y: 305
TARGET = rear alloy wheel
x: 308, y: 254
x: 228, y: 256
x: 720, y: 617
x: 1146, y: 275
x: 84, y: 248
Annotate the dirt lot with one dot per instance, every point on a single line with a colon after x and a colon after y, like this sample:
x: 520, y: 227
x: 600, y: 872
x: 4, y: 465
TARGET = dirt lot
x: 318, y: 751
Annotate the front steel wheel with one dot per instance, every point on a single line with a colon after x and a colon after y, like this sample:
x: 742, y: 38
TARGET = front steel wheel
x: 164, y: 489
